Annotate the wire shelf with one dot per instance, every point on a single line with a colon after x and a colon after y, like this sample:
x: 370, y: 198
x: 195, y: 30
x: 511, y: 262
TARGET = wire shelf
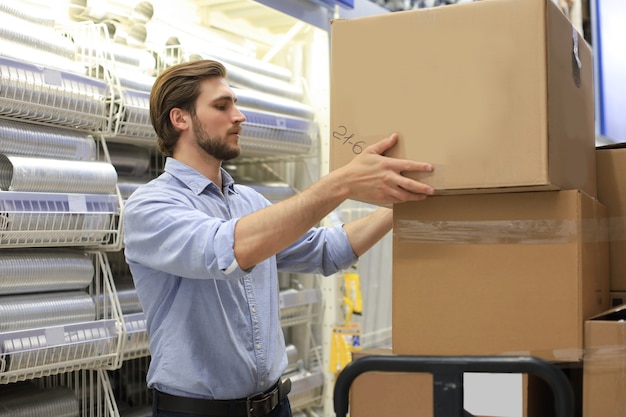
x: 136, y: 342
x: 43, y: 351
x: 273, y: 134
x: 306, y: 389
x: 59, y: 219
x: 298, y: 306
x: 38, y: 94
x: 133, y: 119
x: 92, y: 389
x: 28, y: 139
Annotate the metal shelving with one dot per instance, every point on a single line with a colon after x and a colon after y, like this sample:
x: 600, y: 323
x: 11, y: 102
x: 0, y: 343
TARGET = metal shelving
x: 46, y: 340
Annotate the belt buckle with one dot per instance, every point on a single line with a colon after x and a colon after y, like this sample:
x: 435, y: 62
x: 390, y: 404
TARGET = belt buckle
x: 262, y: 397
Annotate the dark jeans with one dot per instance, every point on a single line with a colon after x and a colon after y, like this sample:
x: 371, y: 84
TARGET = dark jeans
x: 282, y: 410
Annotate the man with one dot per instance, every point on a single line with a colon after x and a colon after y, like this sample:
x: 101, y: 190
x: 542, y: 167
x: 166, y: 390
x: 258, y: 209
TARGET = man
x: 204, y: 252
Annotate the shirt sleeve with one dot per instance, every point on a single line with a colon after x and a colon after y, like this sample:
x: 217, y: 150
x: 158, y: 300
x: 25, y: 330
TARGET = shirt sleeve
x: 321, y: 250
x: 165, y: 233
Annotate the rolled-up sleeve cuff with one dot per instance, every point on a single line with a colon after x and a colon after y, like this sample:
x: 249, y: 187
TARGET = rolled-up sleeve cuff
x: 225, y: 253
x: 345, y: 254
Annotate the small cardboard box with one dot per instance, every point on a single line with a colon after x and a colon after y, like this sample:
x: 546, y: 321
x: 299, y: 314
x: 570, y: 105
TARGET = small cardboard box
x: 376, y: 394
x: 604, y: 378
x: 514, y: 273
x: 611, y: 175
x: 497, y: 95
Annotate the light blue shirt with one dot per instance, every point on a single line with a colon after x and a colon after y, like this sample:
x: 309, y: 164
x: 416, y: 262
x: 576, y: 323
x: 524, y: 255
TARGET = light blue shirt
x: 214, y: 328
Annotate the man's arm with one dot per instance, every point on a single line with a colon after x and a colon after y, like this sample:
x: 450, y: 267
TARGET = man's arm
x: 369, y: 177
x: 364, y: 232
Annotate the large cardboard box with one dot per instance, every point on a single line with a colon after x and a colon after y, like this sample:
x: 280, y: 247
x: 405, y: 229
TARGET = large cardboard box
x: 398, y: 394
x: 514, y: 273
x: 611, y: 175
x: 604, y: 378
x: 498, y: 95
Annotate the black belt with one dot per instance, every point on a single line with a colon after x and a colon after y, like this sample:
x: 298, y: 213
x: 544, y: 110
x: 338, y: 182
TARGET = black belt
x: 254, y: 406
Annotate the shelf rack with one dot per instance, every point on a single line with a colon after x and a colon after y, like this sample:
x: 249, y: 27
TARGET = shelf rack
x: 42, y: 351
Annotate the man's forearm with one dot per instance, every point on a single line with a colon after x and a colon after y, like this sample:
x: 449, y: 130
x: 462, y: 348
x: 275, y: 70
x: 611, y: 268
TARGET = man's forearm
x: 268, y: 231
x: 363, y: 233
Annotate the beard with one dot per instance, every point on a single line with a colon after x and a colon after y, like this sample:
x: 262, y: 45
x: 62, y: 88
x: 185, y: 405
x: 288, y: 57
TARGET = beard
x: 217, y: 147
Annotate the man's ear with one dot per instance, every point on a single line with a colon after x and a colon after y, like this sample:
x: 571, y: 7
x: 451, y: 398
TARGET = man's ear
x: 179, y: 118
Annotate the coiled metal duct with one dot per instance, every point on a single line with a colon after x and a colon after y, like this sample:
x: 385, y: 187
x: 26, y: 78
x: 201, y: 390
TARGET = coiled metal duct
x: 127, y: 186
x: 20, y: 173
x: 45, y: 141
x: 29, y: 271
x: 40, y: 37
x: 30, y: 14
x: 41, y: 94
x: 128, y: 160
x: 257, y: 100
x: 28, y: 400
x: 18, y: 312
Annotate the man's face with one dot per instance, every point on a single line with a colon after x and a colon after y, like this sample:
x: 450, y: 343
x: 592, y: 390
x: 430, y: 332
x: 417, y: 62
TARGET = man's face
x: 217, y: 122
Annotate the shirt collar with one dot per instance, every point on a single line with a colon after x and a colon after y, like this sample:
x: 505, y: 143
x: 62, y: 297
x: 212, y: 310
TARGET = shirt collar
x: 195, y: 181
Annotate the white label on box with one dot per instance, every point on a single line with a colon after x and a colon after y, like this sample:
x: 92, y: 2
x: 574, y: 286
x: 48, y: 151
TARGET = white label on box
x: 492, y: 394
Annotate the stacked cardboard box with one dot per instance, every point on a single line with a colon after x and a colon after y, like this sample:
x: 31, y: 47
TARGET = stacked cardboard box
x: 512, y: 254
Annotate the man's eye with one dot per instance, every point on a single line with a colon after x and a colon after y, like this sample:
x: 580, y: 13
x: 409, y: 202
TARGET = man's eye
x: 220, y: 107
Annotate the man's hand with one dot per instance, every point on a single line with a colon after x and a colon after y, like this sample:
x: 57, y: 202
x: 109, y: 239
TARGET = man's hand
x: 375, y: 178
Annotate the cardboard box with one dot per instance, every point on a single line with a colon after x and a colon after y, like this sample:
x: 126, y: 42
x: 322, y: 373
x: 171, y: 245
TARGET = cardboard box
x: 604, y: 378
x: 611, y: 174
x: 514, y: 273
x: 376, y: 394
x: 490, y: 92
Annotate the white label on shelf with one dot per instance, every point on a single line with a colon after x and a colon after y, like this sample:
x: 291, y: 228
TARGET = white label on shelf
x: 52, y: 77
x: 77, y: 203
x: 55, y: 336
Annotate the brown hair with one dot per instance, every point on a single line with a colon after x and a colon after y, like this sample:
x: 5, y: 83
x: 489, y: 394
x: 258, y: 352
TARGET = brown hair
x: 178, y: 87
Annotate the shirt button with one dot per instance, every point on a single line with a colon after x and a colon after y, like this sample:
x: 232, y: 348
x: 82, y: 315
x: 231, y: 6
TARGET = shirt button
x: 258, y: 346
x: 254, y: 309
x: 262, y: 383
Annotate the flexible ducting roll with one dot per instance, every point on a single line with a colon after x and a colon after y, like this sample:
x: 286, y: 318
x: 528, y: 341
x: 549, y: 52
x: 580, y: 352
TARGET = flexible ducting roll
x: 30, y: 53
x: 27, y: 311
x: 21, y: 173
x: 31, y: 270
x: 257, y: 100
x: 28, y: 400
x: 127, y: 186
x: 243, y: 78
x: 251, y: 64
x: 45, y: 141
x: 30, y: 14
x: 293, y: 359
x: 127, y: 296
x: 134, y: 119
x: 129, y: 160
x: 273, y: 191
x: 22, y: 31
x: 43, y: 94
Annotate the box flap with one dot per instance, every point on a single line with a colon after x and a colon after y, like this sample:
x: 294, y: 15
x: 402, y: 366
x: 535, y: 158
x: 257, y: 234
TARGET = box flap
x: 615, y: 314
x: 620, y: 145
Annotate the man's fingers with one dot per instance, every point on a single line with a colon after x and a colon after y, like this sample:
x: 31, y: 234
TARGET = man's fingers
x: 385, y: 144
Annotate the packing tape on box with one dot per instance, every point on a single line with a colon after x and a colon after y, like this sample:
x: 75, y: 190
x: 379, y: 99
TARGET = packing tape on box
x: 489, y: 232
